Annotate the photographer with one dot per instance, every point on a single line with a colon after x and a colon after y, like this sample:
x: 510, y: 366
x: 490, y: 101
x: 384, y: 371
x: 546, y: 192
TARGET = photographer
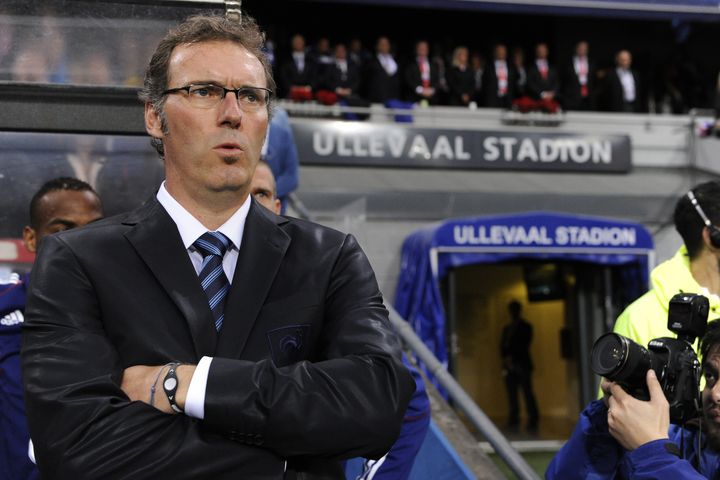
x: 623, y: 437
x: 694, y: 268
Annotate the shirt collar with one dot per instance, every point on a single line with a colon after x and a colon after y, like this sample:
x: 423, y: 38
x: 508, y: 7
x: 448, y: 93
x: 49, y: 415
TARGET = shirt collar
x: 190, y: 227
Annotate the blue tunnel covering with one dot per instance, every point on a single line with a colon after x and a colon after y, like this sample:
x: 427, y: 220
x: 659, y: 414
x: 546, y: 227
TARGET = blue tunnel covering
x: 429, y: 253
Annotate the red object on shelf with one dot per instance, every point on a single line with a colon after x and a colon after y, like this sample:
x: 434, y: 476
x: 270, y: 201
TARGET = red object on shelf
x: 301, y: 94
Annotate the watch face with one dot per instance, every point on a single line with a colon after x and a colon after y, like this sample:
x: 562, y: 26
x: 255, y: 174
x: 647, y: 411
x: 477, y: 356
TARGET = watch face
x: 170, y: 384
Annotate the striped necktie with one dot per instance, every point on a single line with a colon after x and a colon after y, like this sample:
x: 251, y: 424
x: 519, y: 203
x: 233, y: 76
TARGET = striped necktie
x: 212, y: 246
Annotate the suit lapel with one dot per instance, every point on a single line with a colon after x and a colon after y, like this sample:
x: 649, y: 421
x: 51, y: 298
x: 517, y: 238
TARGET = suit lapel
x: 156, y: 239
x: 263, y: 247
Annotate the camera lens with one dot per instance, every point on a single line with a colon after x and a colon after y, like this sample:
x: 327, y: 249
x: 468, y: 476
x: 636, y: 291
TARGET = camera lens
x: 619, y: 359
x: 609, y: 354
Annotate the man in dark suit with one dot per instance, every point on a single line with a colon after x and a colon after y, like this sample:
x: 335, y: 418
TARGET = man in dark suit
x: 543, y: 83
x: 578, y: 82
x: 382, y: 80
x: 298, y: 73
x: 624, y: 88
x: 499, y: 79
x: 202, y: 336
x: 422, y: 77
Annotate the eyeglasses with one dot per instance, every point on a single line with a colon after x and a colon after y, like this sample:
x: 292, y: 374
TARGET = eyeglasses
x: 208, y: 95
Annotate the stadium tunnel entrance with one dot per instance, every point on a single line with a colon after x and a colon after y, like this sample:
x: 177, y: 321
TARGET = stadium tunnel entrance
x: 572, y: 274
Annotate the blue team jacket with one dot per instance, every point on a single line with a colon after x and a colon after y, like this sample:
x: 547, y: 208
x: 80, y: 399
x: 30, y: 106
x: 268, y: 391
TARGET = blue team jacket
x: 14, y: 436
x: 592, y: 453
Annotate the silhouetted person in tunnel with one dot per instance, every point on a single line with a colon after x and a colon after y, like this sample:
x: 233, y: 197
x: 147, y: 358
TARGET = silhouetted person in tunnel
x: 517, y: 366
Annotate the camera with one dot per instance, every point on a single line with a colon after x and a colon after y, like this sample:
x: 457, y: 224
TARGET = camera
x: 676, y: 365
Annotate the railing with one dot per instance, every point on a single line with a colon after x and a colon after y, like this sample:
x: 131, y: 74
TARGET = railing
x: 477, y: 417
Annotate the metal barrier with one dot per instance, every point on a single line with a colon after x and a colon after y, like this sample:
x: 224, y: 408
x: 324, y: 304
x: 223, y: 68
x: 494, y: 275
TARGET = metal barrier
x: 502, y: 447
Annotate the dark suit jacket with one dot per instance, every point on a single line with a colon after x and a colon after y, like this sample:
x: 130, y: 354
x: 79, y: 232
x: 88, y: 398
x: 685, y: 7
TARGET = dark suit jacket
x: 571, y: 88
x: 536, y: 84
x: 490, y: 87
x: 615, y: 100
x: 379, y: 86
x: 334, y: 78
x: 461, y: 82
x: 413, y: 79
x: 290, y: 76
x: 306, y: 367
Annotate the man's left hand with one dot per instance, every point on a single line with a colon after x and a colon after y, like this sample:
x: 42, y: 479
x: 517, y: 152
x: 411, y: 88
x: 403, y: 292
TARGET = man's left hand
x: 633, y: 422
x: 138, y: 380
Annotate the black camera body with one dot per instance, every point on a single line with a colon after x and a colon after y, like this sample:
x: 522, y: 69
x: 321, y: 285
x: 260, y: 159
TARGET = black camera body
x: 676, y: 365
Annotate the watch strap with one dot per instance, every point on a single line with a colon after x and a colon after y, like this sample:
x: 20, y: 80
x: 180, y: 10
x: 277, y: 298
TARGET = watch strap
x: 170, y: 385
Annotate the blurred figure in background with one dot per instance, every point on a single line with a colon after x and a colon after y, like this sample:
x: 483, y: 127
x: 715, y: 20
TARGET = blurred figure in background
x: 461, y: 78
x: 521, y: 80
x: 280, y: 153
x: 383, y: 79
x: 297, y: 73
x: 518, y: 366
x: 499, y: 80
x: 578, y: 80
x: 264, y: 189
x: 624, y: 88
x: 543, y: 83
x: 60, y: 204
x: 422, y: 77
x: 477, y: 63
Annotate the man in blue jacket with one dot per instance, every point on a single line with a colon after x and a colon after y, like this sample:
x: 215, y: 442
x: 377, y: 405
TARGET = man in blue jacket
x: 623, y: 437
x: 60, y: 204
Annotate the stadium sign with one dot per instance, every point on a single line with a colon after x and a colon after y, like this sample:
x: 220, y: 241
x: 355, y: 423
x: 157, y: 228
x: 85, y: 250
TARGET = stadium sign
x: 326, y: 142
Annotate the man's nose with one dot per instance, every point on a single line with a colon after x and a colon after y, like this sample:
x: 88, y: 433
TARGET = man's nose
x: 715, y: 392
x: 230, y: 111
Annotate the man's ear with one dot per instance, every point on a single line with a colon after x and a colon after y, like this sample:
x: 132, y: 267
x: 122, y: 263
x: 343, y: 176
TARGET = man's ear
x: 30, y: 239
x: 278, y: 206
x: 153, y: 125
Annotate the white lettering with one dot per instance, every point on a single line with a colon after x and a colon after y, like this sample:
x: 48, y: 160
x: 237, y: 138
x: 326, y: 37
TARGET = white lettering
x: 508, y: 143
x: 548, y: 150
x: 580, y: 152
x: 343, y: 149
x: 460, y: 153
x: 596, y: 236
x: 527, y: 151
x: 491, y: 150
x: 322, y: 144
x: 442, y: 148
x: 396, y: 142
x: 376, y: 146
x: 419, y: 147
x: 358, y: 148
x: 601, y: 151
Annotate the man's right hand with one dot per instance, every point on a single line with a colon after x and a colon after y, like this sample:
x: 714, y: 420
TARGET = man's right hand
x: 634, y: 422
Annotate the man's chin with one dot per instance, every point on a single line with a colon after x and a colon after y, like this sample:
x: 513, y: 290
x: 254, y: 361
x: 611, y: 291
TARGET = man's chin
x: 712, y: 431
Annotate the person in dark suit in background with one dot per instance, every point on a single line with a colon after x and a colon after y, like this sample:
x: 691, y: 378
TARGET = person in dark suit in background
x: 543, y: 83
x: 60, y: 204
x: 499, y: 80
x: 518, y: 366
x: 299, y: 72
x: 521, y: 73
x: 422, y: 77
x: 201, y: 335
x: 461, y: 79
x: 381, y: 74
x: 578, y: 80
x: 624, y: 89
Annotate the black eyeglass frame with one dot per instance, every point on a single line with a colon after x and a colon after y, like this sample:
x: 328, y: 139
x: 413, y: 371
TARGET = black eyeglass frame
x: 236, y: 91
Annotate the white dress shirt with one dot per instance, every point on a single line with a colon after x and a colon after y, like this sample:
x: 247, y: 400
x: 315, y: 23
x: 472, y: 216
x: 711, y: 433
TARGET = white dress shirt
x: 299, y: 59
x: 191, y: 229
x: 388, y: 63
x: 628, y: 83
